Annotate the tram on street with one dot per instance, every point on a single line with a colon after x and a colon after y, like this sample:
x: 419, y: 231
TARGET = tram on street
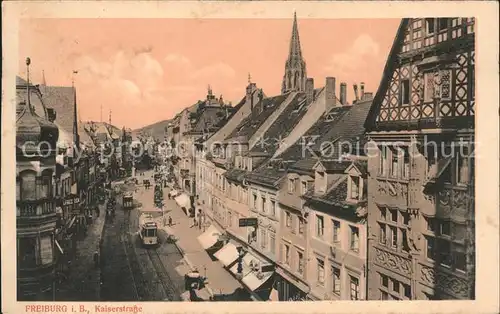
x: 128, y: 200
x: 148, y: 230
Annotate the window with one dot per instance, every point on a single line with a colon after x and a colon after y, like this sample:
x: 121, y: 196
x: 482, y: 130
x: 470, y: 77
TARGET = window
x: 445, y: 243
x: 288, y: 218
x: 404, y: 97
x: 286, y: 254
x: 263, y: 204
x: 272, y: 242
x: 273, y: 208
x: 445, y: 87
x: 336, y: 280
x: 291, y: 185
x: 394, y: 162
x: 321, y: 271
x: 263, y: 238
x: 336, y: 231
x: 391, y: 289
x: 319, y: 226
x: 254, y: 202
x: 355, y: 187
x: 382, y: 236
x: 462, y: 166
x: 354, y: 283
x: 27, y: 252
x: 394, y: 236
x: 383, y: 160
x: 384, y: 280
x: 301, y: 225
x: 443, y: 24
x: 429, y: 26
x: 300, y: 262
x: 394, y: 215
x: 406, y: 162
x: 230, y: 218
x: 429, y: 86
x: 28, y: 186
x: 303, y: 187
x: 321, y: 181
x: 354, y: 239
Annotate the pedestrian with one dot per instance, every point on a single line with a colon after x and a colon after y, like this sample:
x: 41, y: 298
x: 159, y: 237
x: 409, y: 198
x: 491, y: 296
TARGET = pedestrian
x: 96, y: 259
x: 170, y: 221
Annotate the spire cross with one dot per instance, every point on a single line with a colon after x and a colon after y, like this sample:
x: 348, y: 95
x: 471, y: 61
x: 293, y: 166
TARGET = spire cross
x: 28, y: 62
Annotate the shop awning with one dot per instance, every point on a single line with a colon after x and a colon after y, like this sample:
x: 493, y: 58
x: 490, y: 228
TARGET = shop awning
x: 71, y: 222
x: 228, y: 254
x: 183, y: 201
x: 59, y: 247
x: 209, y: 237
x: 254, y: 280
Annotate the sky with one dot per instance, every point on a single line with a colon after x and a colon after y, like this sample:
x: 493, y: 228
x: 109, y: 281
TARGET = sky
x: 148, y: 70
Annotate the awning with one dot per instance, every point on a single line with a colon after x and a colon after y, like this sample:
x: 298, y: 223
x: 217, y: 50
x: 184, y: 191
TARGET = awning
x: 254, y: 280
x: 71, y: 222
x: 228, y: 254
x: 172, y: 193
x: 59, y: 247
x: 183, y: 201
x: 209, y: 237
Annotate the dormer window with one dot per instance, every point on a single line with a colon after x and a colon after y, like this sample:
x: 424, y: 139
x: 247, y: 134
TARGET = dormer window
x: 321, y: 181
x: 355, y: 188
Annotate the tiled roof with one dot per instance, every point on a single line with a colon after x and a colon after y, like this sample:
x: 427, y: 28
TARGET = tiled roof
x: 335, y: 164
x: 266, y: 175
x: 235, y: 175
x: 61, y: 99
x: 283, y: 125
x: 306, y: 164
x: 84, y: 136
x: 349, y: 127
x: 261, y: 111
x: 299, y: 150
x: 362, y: 165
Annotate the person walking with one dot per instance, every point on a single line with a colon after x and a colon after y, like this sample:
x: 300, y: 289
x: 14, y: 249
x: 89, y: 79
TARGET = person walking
x: 170, y: 221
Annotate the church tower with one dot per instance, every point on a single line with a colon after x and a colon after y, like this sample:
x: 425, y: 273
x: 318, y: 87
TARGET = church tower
x: 295, y: 75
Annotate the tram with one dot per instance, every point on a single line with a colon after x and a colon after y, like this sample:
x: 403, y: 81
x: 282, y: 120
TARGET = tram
x: 128, y: 201
x: 148, y: 230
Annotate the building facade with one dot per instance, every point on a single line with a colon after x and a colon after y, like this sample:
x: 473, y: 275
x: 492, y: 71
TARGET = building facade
x: 35, y: 194
x: 421, y: 174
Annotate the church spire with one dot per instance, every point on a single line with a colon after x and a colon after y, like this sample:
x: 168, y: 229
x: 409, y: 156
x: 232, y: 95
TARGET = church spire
x: 295, y: 51
x: 295, y: 75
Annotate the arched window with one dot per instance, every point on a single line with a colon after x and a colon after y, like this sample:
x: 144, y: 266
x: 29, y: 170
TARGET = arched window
x: 28, y: 185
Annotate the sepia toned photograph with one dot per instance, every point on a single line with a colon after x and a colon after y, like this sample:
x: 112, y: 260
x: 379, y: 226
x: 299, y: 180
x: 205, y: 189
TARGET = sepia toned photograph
x: 244, y: 159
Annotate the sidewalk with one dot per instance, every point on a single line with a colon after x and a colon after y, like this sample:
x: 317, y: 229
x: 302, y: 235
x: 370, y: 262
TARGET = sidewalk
x: 83, y: 282
x: 220, y: 281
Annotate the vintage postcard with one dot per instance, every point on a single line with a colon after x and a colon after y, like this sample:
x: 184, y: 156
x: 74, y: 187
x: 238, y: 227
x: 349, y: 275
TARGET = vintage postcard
x: 250, y: 155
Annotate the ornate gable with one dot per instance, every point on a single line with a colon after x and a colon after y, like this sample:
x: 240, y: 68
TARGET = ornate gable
x: 428, y: 80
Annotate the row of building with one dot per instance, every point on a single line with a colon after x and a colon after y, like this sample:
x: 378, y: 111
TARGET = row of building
x: 62, y: 167
x: 321, y: 199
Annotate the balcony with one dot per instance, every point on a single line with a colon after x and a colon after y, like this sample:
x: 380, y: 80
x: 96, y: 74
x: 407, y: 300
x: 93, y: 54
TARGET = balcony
x: 40, y: 209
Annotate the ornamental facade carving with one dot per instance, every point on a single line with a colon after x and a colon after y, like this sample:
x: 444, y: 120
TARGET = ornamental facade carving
x: 392, y: 261
x: 393, y: 192
x: 446, y: 282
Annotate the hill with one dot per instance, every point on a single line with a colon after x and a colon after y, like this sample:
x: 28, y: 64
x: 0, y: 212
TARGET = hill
x: 157, y: 130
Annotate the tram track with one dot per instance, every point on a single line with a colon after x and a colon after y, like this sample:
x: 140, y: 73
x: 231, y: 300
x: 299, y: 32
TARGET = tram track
x: 134, y: 266
x: 163, y: 276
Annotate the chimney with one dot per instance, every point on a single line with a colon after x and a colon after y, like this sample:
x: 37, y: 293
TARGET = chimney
x: 368, y: 96
x: 329, y: 93
x: 309, y: 91
x: 362, y: 87
x: 356, y: 97
x: 343, y: 93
